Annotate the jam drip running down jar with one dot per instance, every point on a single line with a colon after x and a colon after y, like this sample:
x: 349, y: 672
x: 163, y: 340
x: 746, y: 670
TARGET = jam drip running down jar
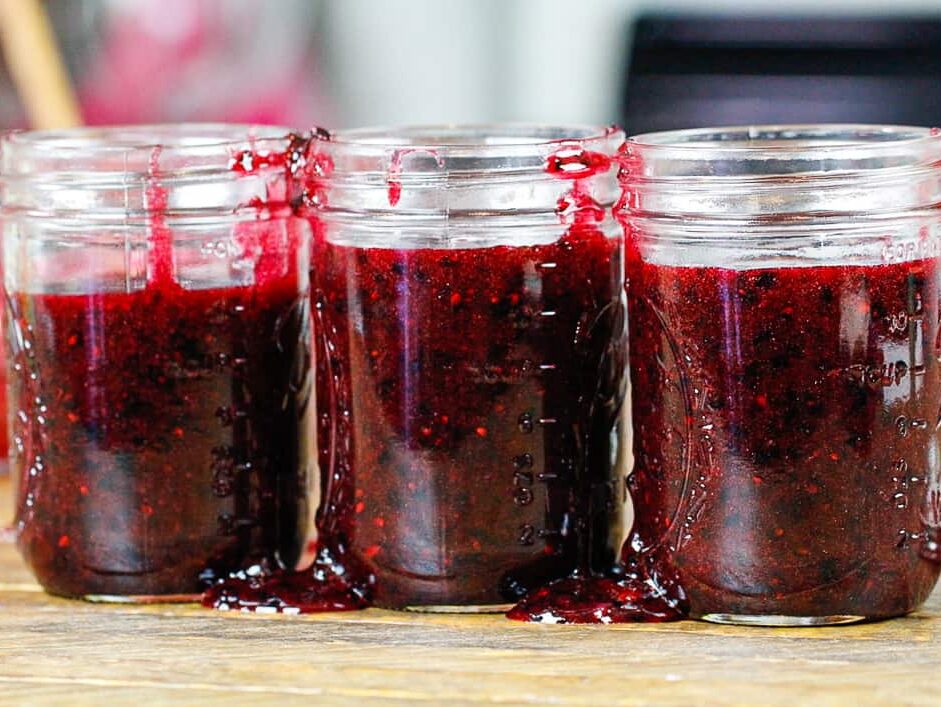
x: 159, y: 363
x: 469, y: 317
x: 783, y: 288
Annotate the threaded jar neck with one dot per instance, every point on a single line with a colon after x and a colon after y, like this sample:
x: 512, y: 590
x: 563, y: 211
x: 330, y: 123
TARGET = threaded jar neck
x: 454, y: 183
x: 783, y: 173
x: 106, y: 175
x: 774, y: 195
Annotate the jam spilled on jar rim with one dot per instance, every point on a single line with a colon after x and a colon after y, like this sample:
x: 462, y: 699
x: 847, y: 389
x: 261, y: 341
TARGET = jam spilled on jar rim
x: 452, y: 406
x: 277, y: 587
x: 643, y: 592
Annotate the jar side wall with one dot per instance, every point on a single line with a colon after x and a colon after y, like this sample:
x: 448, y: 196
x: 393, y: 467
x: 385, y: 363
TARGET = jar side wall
x: 70, y: 256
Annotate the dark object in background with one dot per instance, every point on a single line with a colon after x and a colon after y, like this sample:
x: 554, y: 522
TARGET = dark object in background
x: 688, y: 71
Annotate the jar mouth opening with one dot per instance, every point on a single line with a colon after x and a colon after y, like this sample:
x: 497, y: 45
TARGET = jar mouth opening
x: 823, y: 137
x: 762, y: 153
x: 481, y: 138
x: 147, y: 137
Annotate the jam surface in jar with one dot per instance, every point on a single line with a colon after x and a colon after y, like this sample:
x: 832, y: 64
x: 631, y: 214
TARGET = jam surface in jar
x: 157, y: 434
x: 786, y: 435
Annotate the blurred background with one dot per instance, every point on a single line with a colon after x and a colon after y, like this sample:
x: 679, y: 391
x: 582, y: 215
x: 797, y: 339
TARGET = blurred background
x: 647, y: 65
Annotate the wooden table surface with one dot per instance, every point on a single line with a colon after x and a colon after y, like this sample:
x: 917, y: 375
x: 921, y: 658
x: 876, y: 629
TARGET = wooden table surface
x: 54, y: 651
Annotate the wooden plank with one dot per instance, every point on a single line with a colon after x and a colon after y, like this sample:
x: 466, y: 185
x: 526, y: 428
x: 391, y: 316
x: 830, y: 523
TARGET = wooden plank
x: 53, y: 651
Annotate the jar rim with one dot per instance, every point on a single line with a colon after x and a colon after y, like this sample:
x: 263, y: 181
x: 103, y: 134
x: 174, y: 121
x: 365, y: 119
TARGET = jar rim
x: 432, y: 156
x: 481, y: 138
x: 454, y: 175
x: 144, y: 137
x: 797, y: 141
x: 115, y: 174
x: 773, y: 171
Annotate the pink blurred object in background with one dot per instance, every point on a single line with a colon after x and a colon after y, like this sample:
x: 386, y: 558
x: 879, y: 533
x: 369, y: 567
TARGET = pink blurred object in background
x: 152, y: 61
x: 213, y: 60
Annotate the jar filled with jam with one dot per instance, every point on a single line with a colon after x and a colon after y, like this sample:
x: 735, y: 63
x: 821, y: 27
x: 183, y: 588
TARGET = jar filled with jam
x: 783, y: 287
x: 469, y: 315
x: 158, y: 355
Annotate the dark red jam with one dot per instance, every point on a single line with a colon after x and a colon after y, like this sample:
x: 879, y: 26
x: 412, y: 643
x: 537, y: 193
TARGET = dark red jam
x: 786, y: 435
x: 466, y: 402
x: 158, y: 434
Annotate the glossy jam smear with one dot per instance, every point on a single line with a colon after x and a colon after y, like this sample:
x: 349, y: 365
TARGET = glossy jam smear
x: 157, y: 434
x: 648, y: 594
x: 327, y: 586
x: 786, y: 435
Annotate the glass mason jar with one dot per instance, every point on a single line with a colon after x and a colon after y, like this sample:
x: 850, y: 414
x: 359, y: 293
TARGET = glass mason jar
x: 471, y: 347
x: 783, y: 288
x: 158, y: 339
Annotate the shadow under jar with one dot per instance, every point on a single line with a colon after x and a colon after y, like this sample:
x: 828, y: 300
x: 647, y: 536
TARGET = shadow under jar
x: 783, y: 288
x: 157, y: 293
x: 470, y: 320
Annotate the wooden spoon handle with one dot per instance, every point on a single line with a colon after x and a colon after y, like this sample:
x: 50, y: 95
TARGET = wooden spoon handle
x: 32, y: 55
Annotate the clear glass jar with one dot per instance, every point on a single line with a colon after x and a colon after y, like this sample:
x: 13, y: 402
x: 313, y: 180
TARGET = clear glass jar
x: 471, y: 348
x: 783, y: 289
x: 158, y: 339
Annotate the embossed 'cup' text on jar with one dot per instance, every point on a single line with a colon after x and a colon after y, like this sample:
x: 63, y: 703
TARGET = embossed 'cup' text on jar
x: 158, y: 346
x: 784, y: 333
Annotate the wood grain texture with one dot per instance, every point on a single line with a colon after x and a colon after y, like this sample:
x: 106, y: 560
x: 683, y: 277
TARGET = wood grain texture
x: 54, y: 651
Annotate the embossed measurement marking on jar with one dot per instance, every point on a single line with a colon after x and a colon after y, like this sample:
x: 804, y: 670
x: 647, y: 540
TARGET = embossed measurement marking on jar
x: 523, y: 495
x: 229, y: 469
x: 525, y: 477
x: 909, y: 323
